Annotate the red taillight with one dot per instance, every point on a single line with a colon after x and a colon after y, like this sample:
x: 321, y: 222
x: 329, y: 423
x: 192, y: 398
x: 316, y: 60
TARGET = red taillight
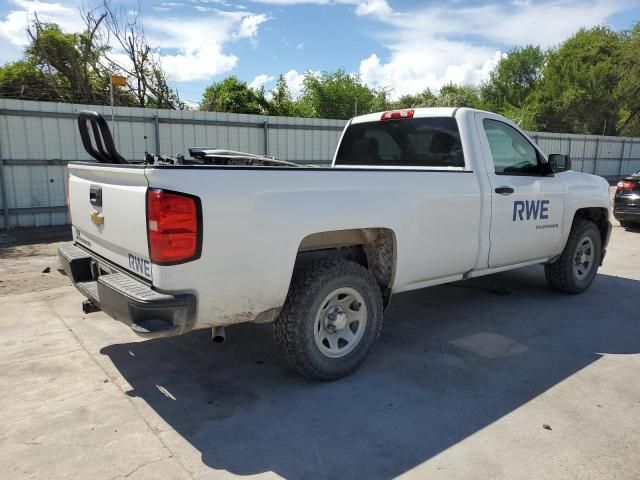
x: 173, y: 224
x: 397, y: 114
x: 626, y: 185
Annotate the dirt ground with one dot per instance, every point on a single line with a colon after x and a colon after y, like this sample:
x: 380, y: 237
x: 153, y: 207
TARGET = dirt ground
x: 30, y: 268
x: 29, y: 262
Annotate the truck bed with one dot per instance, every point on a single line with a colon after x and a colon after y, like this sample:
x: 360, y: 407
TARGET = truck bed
x: 256, y: 218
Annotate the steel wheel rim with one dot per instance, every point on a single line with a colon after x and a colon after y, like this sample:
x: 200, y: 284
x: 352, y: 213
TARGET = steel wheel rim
x: 340, y: 322
x: 583, y: 259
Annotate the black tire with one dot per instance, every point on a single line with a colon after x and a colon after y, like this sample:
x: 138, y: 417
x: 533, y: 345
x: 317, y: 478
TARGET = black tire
x: 561, y: 274
x: 294, y: 327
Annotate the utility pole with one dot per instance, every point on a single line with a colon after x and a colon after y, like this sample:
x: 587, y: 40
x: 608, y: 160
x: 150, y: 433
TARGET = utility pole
x: 115, y: 81
x: 111, y: 96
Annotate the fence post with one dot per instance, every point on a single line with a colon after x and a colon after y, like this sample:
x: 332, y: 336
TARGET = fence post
x: 156, y: 127
x: 595, y: 160
x: 266, y: 137
x: 624, y: 144
x: 3, y: 187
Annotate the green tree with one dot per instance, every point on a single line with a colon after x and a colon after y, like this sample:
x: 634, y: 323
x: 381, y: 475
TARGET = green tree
x: 513, y: 79
x: 71, y: 58
x: 452, y: 95
x: 233, y: 96
x: 338, y: 95
x: 283, y: 104
x: 77, y: 67
x: 524, y: 117
x: 23, y: 79
x: 425, y: 99
x: 576, y: 93
x: 628, y: 89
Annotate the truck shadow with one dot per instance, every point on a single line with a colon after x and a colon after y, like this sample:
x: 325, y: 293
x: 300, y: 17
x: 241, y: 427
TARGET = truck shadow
x: 451, y: 360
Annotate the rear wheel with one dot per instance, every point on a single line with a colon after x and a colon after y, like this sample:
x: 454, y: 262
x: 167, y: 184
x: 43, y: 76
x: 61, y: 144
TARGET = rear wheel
x: 576, y: 268
x: 330, y: 320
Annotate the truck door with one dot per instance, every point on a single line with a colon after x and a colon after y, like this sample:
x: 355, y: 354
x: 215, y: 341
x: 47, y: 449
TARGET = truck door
x: 527, y: 201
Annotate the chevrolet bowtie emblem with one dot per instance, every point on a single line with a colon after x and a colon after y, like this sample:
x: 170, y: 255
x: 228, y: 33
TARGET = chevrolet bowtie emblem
x: 97, y: 218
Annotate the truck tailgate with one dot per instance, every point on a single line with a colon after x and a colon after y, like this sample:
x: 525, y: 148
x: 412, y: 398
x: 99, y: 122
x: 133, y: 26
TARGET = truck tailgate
x: 108, y: 213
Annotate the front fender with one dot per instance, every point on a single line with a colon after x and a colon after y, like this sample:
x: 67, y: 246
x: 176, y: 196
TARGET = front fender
x: 584, y: 191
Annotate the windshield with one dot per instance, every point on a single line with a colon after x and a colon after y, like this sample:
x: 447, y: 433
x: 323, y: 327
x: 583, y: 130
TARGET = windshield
x: 417, y: 142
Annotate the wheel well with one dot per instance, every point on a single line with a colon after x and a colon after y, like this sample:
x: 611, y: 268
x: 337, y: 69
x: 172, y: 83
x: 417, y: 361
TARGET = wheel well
x: 598, y: 216
x: 373, y: 248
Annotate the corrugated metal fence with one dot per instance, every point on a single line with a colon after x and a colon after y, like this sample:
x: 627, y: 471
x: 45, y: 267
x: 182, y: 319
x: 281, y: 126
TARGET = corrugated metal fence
x: 609, y: 157
x: 37, y: 140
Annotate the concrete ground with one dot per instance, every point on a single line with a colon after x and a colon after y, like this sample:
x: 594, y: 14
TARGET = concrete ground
x: 495, y: 378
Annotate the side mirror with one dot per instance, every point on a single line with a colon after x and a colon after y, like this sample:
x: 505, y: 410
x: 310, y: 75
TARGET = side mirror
x: 559, y: 162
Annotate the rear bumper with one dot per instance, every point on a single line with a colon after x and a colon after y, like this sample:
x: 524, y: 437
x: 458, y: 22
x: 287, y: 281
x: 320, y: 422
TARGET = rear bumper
x: 627, y: 214
x: 626, y: 207
x: 123, y: 297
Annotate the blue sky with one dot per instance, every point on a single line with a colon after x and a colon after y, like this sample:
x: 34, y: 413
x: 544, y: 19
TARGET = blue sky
x: 404, y: 45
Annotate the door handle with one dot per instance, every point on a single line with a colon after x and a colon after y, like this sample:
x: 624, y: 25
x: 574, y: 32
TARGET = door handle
x: 504, y: 190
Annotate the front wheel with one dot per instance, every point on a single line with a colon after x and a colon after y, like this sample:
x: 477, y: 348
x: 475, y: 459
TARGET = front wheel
x: 331, y: 318
x: 576, y: 268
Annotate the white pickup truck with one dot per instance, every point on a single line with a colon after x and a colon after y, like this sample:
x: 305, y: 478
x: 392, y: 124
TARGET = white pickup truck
x: 413, y: 198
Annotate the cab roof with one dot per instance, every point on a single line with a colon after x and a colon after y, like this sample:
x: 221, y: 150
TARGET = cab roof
x: 421, y: 112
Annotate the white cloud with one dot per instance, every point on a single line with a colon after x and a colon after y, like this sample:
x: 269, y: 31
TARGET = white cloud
x: 431, y: 46
x: 260, y: 80
x: 190, y: 47
x: 193, y: 48
x: 202, y: 63
x: 13, y: 29
x: 249, y: 25
x: 224, y: 3
x: 410, y: 71
x: 300, y: 46
x: 166, y: 6
x: 520, y: 23
x: 293, y: 2
x: 294, y: 82
x: 363, y: 7
x: 373, y: 7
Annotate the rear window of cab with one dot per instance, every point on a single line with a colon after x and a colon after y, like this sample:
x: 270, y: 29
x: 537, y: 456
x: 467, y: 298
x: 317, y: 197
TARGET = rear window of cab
x: 415, y: 142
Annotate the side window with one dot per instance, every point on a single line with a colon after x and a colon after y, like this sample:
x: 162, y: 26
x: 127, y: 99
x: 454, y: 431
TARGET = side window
x: 511, y: 151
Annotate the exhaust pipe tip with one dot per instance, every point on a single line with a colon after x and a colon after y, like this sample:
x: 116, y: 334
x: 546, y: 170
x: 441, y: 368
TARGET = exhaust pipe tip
x: 218, y: 335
